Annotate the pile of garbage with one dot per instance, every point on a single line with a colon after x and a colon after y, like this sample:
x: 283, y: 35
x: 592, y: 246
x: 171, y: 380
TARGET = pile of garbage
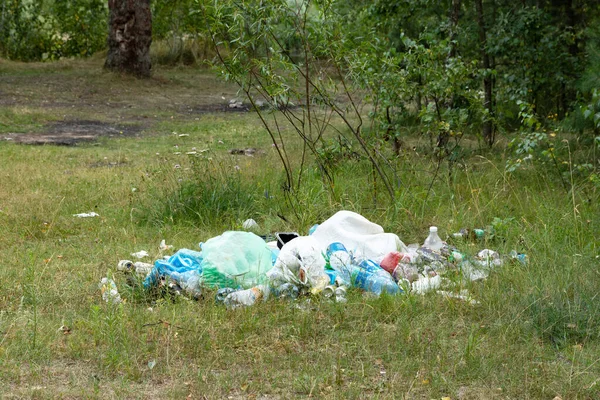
x: 345, y: 251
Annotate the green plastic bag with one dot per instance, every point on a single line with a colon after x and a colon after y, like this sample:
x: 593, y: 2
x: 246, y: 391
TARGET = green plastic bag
x: 235, y: 259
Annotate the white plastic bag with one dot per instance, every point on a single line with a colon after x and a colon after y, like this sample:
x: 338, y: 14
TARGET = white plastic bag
x: 300, y: 262
x: 359, y: 235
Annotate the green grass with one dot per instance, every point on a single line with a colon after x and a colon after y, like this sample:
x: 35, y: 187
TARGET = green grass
x: 534, y: 334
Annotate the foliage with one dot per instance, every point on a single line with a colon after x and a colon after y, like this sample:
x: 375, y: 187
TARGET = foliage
x: 182, y: 33
x: 48, y: 30
x: 296, y: 58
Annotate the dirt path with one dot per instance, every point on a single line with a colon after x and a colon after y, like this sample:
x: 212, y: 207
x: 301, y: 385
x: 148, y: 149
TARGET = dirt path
x: 68, y: 102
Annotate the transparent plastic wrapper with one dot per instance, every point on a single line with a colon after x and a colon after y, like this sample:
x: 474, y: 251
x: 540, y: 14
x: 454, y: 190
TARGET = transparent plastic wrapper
x: 110, y: 293
x: 358, y: 235
x: 235, y: 259
x: 425, y: 284
x: 406, y: 271
x: 301, y: 263
x: 480, y: 267
x: 189, y: 281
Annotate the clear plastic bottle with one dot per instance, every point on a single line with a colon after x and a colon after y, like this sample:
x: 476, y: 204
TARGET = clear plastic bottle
x: 433, y: 241
x: 341, y: 261
x: 375, y: 281
x: 245, y: 298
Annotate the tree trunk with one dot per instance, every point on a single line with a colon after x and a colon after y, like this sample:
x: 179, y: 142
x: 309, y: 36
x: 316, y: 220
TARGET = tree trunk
x: 454, y: 15
x: 488, y: 126
x: 129, y: 37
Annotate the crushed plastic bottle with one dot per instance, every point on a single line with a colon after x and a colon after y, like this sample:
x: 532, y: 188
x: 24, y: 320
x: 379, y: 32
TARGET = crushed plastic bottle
x: 245, y: 298
x: 433, y: 241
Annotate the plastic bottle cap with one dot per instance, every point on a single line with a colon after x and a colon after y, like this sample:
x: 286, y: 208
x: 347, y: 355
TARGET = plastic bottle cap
x: 433, y: 229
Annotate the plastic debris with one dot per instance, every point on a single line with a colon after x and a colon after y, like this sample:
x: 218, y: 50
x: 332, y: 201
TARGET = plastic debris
x: 300, y: 262
x: 359, y: 235
x: 522, y: 258
x: 287, y: 291
x: 140, y: 254
x: 425, y: 284
x: 235, y: 259
x: 163, y: 246
x: 250, y: 225
x: 245, y: 298
x: 433, y: 241
x: 139, y: 268
x: 183, y: 269
x: 110, y: 293
x: 365, y: 274
x: 346, y: 251
x: 86, y: 215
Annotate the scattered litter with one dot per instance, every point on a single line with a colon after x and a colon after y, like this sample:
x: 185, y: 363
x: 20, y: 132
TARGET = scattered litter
x: 182, y: 272
x: 151, y: 364
x: 184, y: 135
x: 235, y: 103
x: 346, y: 251
x: 163, y: 246
x: 110, y: 293
x: 250, y: 225
x: 64, y: 329
x: 86, y: 215
x: 300, y: 262
x: 425, y: 284
x: 358, y: 234
x: 140, y: 254
x: 235, y: 259
x: 245, y: 298
x: 250, y: 152
x: 463, y: 295
x: 141, y: 269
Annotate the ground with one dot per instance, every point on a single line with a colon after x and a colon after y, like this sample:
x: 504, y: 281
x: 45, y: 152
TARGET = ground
x: 154, y: 159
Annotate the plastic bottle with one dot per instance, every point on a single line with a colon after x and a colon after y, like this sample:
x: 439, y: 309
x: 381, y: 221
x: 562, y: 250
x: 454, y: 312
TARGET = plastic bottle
x: 366, y: 275
x: 433, y: 241
x: 245, y: 298
x: 340, y: 261
x: 374, y: 281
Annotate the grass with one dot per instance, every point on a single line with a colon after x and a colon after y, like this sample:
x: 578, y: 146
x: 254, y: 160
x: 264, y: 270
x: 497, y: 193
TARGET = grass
x: 534, y: 334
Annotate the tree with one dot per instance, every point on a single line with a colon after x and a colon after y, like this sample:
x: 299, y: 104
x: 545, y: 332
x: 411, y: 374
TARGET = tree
x: 129, y: 37
x: 488, y: 127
